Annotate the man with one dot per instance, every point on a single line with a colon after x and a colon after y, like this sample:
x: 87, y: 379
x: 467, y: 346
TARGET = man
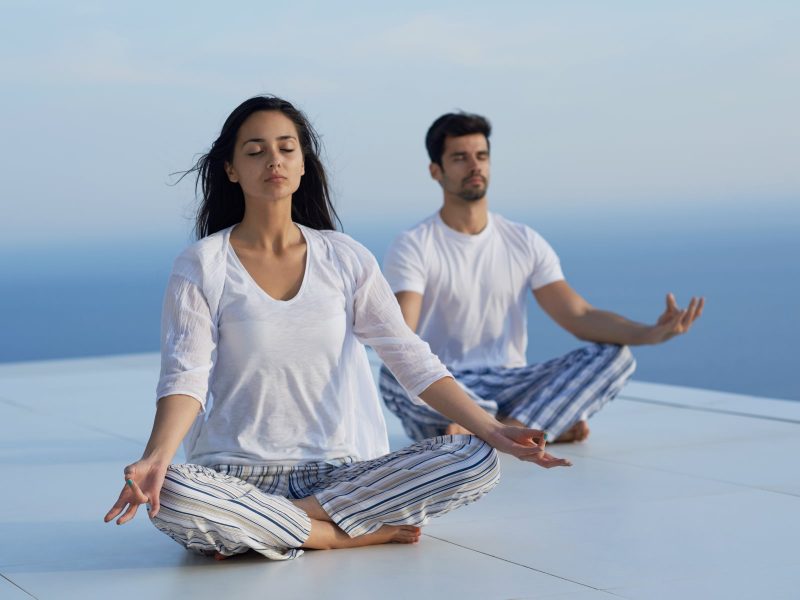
x: 461, y: 278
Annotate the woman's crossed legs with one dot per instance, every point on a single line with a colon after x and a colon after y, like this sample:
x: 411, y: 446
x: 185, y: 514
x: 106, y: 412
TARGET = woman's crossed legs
x: 278, y: 510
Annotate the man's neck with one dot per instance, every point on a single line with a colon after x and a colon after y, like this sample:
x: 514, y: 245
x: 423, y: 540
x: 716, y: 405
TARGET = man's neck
x: 465, y: 216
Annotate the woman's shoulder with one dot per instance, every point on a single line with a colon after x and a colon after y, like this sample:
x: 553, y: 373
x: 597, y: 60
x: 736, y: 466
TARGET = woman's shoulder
x: 203, y: 256
x: 345, y: 246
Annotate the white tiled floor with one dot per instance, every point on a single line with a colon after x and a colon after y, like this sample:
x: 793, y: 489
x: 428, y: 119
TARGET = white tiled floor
x: 678, y: 493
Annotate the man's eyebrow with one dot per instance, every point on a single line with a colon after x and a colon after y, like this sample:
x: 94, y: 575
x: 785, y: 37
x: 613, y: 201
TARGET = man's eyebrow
x: 280, y: 138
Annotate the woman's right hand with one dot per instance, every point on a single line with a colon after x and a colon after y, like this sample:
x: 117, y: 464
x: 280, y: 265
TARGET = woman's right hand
x: 143, y: 481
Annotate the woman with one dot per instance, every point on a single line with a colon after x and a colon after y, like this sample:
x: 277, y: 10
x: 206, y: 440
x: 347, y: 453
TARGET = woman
x: 264, y: 372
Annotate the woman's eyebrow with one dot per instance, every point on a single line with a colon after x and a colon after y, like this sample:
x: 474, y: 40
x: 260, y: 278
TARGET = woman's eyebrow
x: 279, y: 138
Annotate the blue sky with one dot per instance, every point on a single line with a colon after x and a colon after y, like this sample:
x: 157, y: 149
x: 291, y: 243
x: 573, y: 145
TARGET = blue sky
x: 676, y: 110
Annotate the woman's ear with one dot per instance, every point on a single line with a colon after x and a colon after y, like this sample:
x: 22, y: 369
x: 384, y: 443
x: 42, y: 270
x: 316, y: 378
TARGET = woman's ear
x: 231, y: 173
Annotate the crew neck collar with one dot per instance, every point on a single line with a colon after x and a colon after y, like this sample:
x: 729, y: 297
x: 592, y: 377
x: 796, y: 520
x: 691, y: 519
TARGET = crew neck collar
x: 466, y: 237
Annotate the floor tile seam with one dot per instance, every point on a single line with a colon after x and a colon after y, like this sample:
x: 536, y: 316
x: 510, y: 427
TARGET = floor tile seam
x: 678, y: 445
x: 710, y: 409
x: 558, y: 595
x: 15, y: 404
x: 61, y: 418
x: 505, y: 560
x: 738, y: 484
x: 20, y: 588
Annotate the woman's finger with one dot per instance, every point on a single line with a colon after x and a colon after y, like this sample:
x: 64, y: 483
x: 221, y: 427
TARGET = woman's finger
x: 155, y: 504
x: 139, y: 496
x: 128, y: 514
x: 116, y: 509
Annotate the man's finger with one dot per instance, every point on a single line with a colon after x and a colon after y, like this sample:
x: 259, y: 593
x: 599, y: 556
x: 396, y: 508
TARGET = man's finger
x: 672, y: 304
x: 689, y: 317
x: 700, y: 306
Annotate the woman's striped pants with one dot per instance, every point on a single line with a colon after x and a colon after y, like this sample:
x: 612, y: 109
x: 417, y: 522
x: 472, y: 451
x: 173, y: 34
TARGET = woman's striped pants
x: 550, y: 396
x: 231, y: 509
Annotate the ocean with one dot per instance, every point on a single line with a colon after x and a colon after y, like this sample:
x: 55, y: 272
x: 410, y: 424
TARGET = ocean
x: 100, y: 299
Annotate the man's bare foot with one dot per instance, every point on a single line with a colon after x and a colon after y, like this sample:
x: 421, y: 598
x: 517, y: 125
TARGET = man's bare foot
x: 456, y: 429
x: 577, y: 433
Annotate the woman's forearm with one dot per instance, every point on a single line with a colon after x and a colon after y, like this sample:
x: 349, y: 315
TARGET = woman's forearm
x: 447, y: 397
x: 174, y: 415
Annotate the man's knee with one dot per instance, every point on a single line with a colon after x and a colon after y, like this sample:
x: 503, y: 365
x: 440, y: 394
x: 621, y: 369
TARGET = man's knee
x: 619, y: 359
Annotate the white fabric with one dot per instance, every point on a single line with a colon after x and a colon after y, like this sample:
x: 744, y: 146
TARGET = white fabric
x: 285, y: 381
x: 474, y: 287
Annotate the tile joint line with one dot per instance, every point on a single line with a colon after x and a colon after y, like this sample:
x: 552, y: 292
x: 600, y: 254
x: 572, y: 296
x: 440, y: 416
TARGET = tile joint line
x: 18, y: 587
x: 710, y: 409
x: 586, y: 585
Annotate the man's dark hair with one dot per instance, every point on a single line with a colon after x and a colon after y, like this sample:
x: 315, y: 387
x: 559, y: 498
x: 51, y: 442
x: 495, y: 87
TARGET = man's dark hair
x: 454, y: 125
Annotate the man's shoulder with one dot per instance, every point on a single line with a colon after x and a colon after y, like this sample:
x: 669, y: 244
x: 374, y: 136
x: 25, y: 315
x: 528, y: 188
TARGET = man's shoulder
x: 418, y: 234
x: 514, y: 230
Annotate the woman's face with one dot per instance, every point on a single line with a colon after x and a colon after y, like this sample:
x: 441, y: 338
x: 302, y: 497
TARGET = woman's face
x: 267, y: 158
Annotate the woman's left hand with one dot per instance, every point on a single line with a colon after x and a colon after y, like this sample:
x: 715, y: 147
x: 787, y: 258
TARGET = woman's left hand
x: 524, y: 443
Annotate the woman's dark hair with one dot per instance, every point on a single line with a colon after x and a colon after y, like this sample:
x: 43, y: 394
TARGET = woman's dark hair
x: 222, y: 202
x: 454, y: 125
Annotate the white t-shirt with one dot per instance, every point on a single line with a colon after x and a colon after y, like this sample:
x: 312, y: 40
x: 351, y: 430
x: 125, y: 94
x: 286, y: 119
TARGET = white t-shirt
x: 285, y: 381
x: 474, y: 287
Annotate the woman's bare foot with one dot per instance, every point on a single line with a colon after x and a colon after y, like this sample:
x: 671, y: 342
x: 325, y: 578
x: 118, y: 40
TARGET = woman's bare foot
x: 327, y: 536
x: 577, y: 433
x: 456, y: 429
x: 394, y: 534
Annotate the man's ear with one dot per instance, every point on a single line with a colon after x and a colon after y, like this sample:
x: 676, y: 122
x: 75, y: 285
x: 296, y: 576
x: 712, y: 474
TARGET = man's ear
x: 231, y: 173
x: 435, y: 171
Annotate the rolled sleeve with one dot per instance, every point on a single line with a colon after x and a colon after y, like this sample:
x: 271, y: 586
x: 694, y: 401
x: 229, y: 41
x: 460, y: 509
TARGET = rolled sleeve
x: 188, y: 341
x: 379, y: 323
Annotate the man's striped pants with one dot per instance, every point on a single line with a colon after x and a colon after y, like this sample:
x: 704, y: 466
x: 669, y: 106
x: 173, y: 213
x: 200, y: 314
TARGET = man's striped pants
x: 550, y: 396
x: 231, y: 509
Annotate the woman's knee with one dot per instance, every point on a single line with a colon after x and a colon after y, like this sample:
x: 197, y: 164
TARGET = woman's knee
x: 485, y: 463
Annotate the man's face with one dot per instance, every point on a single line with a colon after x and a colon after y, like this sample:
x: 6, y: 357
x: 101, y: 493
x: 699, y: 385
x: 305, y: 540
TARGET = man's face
x: 465, y: 167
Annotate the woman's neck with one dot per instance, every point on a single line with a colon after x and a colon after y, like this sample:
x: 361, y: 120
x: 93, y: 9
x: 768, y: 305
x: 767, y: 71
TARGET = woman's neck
x: 267, y: 225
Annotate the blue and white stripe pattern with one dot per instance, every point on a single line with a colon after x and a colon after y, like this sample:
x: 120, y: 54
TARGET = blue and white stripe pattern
x: 550, y: 396
x: 231, y: 509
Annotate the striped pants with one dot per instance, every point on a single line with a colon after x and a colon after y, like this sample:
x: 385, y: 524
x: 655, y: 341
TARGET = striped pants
x: 231, y: 509
x: 550, y: 396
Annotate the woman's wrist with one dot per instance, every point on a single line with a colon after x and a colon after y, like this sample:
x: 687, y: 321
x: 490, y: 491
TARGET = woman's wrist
x: 487, y: 428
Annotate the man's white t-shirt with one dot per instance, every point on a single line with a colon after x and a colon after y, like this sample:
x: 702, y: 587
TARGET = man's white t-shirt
x: 474, y: 287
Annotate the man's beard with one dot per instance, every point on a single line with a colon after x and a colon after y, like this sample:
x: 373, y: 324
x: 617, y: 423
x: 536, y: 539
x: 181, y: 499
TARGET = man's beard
x: 473, y: 194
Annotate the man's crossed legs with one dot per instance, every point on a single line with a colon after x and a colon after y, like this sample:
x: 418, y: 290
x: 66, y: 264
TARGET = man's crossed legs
x: 557, y: 396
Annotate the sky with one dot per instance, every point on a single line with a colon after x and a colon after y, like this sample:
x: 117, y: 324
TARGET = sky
x: 679, y: 112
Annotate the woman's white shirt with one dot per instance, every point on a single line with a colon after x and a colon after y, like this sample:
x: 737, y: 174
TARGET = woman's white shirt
x: 285, y: 381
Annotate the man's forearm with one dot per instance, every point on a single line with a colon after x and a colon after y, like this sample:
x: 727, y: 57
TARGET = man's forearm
x: 605, y: 327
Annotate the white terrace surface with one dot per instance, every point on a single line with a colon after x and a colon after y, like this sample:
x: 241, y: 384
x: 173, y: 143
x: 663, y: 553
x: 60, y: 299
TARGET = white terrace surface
x: 679, y: 493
